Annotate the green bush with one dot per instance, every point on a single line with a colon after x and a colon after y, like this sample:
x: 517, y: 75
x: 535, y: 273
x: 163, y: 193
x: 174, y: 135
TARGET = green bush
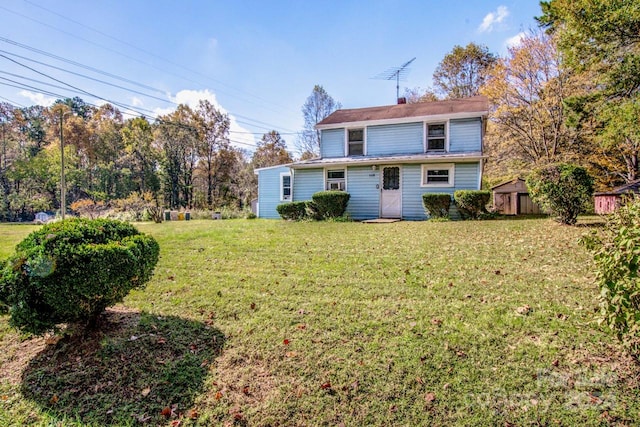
x: 564, y: 190
x: 616, y: 252
x: 70, y: 271
x: 330, y: 204
x: 292, y: 210
x: 472, y: 203
x: 436, y: 205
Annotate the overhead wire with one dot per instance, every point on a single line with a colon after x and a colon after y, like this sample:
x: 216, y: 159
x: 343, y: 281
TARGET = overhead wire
x: 130, y: 57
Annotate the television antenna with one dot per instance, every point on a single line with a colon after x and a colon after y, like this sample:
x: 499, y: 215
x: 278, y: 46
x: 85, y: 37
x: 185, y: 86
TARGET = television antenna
x: 395, y: 72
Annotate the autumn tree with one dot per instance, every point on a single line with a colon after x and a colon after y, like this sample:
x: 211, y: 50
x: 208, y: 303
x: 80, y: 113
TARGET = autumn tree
x: 177, y: 134
x: 271, y: 150
x: 317, y: 107
x: 141, y: 156
x: 418, y: 94
x: 526, y: 90
x: 600, y: 43
x: 462, y: 71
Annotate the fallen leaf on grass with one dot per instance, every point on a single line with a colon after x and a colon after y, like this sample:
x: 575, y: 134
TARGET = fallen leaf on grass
x: 176, y: 423
x: 286, y: 341
x: 524, y: 310
x: 193, y: 414
x: 291, y: 354
x: 253, y: 306
x: 162, y: 341
x: 218, y: 395
x: 54, y: 399
x: 145, y: 392
x: 430, y: 397
x: 326, y: 385
x: 166, y: 412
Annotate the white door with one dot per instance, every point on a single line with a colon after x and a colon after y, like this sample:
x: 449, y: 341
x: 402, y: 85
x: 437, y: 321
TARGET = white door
x: 391, y: 194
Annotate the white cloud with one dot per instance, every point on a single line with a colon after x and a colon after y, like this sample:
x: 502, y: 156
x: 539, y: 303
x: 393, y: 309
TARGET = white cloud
x: 515, y: 40
x: 493, y: 18
x: 239, y: 135
x: 38, y: 98
x: 136, y: 102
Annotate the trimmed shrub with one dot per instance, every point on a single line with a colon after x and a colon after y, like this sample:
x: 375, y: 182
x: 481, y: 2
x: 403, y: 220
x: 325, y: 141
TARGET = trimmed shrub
x: 292, y: 210
x: 331, y: 204
x: 472, y: 203
x: 436, y: 205
x: 70, y: 271
x: 564, y: 190
x: 617, y: 259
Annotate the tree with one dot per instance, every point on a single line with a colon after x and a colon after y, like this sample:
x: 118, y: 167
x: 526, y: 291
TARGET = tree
x: 462, y: 71
x: 177, y: 134
x: 600, y: 43
x: 141, y: 156
x: 271, y: 151
x: 317, y: 107
x: 526, y: 90
x: 562, y: 189
x: 213, y: 126
x: 417, y: 94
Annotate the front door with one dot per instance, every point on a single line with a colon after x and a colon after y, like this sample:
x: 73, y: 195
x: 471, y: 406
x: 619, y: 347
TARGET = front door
x: 391, y: 194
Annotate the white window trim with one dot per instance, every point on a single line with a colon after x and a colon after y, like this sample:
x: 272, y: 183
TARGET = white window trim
x: 346, y: 139
x: 438, y: 166
x: 425, y: 135
x: 282, y: 175
x: 326, y: 178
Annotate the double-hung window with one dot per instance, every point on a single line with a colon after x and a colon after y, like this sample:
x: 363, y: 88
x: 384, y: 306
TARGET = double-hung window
x: 355, y: 142
x: 436, y: 136
x: 285, y: 187
x: 336, y: 179
x: 438, y: 175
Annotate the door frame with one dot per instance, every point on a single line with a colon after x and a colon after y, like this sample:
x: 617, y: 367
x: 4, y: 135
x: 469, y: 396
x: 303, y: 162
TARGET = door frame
x: 382, y: 188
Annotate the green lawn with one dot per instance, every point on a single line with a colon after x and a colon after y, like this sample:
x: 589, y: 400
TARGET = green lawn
x: 271, y: 323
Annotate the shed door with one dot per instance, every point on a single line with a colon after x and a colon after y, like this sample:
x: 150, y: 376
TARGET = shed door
x: 391, y: 195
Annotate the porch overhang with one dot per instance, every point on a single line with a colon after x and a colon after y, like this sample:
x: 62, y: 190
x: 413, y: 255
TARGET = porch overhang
x: 389, y: 160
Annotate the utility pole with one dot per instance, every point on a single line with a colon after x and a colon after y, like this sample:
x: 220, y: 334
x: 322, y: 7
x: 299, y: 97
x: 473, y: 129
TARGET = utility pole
x: 63, y: 193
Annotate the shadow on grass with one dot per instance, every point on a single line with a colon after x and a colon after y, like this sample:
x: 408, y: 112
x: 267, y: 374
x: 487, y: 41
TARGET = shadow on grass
x: 135, y: 368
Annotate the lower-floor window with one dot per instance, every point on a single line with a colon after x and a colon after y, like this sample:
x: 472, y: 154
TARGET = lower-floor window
x: 438, y: 175
x: 336, y: 179
x: 285, y: 187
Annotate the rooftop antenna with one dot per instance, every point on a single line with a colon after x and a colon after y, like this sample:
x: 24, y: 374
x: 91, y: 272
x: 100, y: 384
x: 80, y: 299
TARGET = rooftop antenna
x: 397, y: 73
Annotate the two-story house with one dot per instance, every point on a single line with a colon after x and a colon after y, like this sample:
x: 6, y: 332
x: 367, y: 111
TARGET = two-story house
x: 386, y: 158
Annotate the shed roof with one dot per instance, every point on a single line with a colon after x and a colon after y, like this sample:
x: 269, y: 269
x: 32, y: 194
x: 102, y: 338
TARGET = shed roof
x: 477, y: 104
x: 632, y: 187
x: 511, y: 181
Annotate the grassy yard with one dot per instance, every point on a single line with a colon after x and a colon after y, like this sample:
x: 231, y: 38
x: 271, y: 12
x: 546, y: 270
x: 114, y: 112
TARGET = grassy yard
x: 270, y: 323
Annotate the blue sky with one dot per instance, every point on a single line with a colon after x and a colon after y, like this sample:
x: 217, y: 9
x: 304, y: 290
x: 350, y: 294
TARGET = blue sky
x: 257, y: 60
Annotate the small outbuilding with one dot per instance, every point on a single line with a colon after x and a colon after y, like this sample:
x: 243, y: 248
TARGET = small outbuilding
x: 512, y: 198
x: 608, y: 201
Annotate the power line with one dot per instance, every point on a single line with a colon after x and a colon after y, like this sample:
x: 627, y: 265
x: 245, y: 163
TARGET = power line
x: 39, y: 51
x: 134, y: 58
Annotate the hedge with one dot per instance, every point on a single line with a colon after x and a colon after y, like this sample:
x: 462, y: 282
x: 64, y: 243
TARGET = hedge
x: 472, y: 203
x: 436, y: 205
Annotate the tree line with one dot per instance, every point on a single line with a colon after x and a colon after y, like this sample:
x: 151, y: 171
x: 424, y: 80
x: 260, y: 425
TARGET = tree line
x: 181, y: 160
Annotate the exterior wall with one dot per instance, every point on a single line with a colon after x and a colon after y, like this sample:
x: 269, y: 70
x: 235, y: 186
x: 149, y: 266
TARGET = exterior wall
x: 332, y: 143
x: 606, y: 204
x: 466, y: 178
x: 465, y: 135
x: 269, y: 191
x: 364, y: 202
x: 406, y: 138
x: 306, y: 182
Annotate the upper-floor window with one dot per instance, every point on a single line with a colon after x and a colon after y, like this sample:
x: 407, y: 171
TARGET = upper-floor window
x: 336, y: 179
x: 355, y: 142
x: 436, y: 136
x: 285, y: 187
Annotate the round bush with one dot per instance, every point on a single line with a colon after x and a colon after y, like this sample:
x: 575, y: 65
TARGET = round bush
x: 292, y: 210
x: 436, y: 205
x: 472, y: 203
x: 70, y: 271
x: 330, y: 204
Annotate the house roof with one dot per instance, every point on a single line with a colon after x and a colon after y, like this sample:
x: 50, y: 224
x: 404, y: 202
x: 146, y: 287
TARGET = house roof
x: 465, y: 107
x: 388, y: 160
x: 632, y: 187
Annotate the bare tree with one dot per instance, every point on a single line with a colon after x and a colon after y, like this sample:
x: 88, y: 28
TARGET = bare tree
x: 317, y: 107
